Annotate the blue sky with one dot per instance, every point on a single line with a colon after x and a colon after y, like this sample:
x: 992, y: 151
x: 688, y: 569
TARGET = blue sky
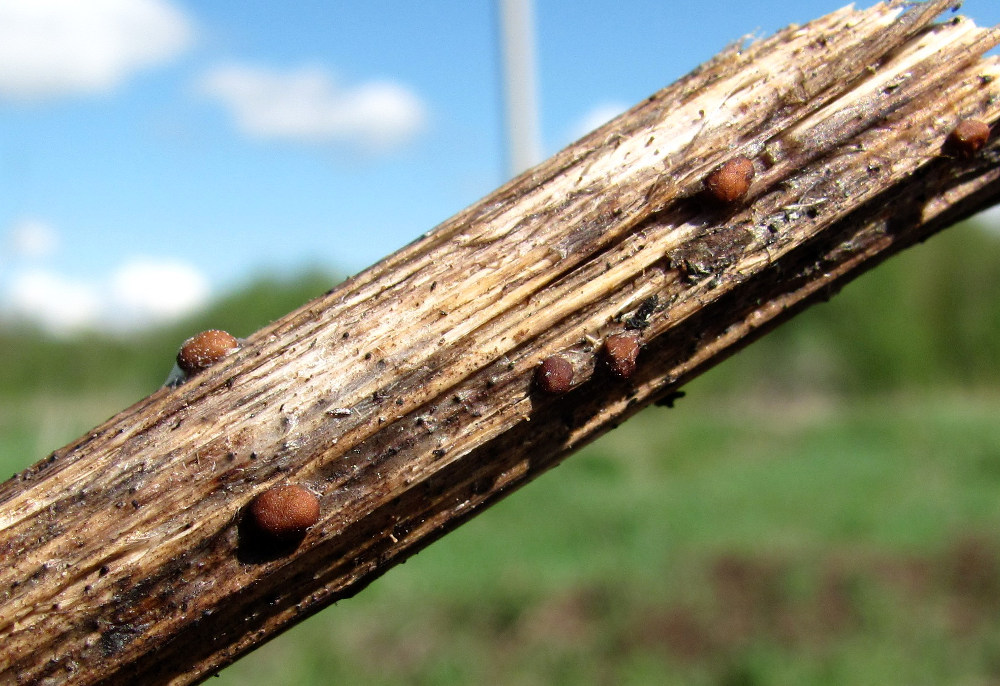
x: 154, y: 153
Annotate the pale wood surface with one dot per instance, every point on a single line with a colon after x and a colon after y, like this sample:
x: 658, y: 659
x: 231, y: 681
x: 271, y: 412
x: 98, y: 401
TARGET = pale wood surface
x: 403, y: 398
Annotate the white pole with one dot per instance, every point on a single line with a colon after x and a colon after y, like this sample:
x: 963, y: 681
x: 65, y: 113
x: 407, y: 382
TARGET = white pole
x: 517, y: 46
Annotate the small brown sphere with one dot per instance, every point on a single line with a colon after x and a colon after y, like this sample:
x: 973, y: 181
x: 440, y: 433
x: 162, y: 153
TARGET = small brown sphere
x: 731, y: 181
x: 554, y: 375
x: 619, y: 353
x: 285, y: 511
x: 969, y: 137
x: 205, y: 349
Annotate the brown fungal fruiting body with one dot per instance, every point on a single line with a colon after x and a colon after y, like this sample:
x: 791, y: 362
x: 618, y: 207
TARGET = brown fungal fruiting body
x: 554, y: 375
x: 731, y: 181
x: 969, y: 137
x: 205, y: 349
x: 285, y: 512
x: 619, y: 353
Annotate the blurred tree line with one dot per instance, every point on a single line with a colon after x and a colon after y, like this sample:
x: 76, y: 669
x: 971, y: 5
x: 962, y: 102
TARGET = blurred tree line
x: 926, y: 318
x: 35, y: 363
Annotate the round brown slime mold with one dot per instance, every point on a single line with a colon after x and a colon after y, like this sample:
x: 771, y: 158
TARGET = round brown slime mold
x: 620, y: 352
x: 205, y: 349
x: 554, y: 375
x: 285, y: 512
x: 969, y: 137
x: 729, y: 182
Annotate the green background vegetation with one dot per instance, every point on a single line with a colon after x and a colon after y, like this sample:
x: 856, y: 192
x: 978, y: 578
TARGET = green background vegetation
x: 820, y: 509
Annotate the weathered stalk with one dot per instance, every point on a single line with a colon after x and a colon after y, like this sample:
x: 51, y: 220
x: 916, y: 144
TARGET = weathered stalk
x: 404, y: 398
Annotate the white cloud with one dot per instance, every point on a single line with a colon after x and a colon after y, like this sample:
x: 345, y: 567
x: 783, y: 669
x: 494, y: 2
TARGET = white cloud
x: 146, y: 291
x: 59, y: 305
x: 30, y: 239
x: 308, y: 105
x: 595, y: 117
x: 53, y: 48
x: 140, y: 293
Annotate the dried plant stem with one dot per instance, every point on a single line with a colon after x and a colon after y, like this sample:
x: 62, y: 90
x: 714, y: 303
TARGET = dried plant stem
x: 404, y: 397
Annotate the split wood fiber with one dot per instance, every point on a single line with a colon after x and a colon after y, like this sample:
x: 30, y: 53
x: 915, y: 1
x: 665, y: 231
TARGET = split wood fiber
x: 404, y: 398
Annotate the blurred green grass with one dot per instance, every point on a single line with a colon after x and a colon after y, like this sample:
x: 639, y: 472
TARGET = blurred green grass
x: 822, y: 508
